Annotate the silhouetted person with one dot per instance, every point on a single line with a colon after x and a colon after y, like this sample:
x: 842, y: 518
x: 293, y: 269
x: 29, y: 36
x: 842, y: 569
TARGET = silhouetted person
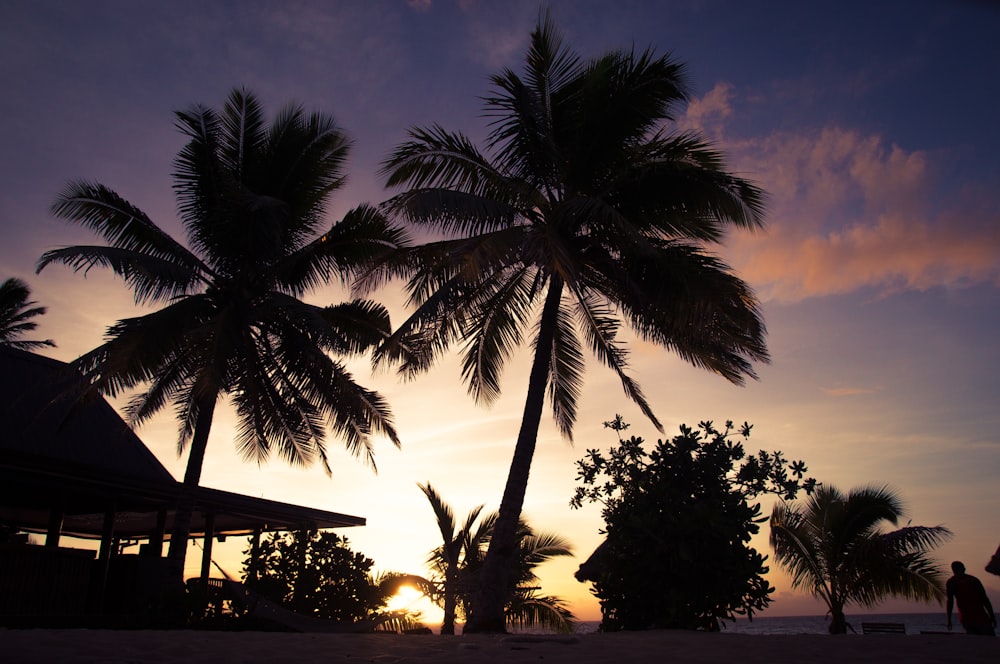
x: 974, y: 609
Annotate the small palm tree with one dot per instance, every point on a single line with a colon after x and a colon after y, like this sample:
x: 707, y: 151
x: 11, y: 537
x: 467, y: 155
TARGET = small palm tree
x: 446, y: 560
x: 252, y: 197
x: 457, y: 563
x: 584, y: 215
x: 16, y: 312
x: 834, y: 546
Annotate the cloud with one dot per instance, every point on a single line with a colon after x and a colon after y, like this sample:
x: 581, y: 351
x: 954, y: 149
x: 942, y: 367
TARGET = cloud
x: 706, y: 114
x: 850, y: 212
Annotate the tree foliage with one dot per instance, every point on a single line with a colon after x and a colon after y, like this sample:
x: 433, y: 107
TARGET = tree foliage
x: 227, y: 318
x: 315, y: 573
x: 585, y: 212
x: 835, y: 545
x: 457, y: 563
x: 678, y: 523
x: 16, y: 312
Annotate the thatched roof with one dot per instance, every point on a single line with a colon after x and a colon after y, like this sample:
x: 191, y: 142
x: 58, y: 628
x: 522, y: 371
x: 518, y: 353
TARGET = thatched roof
x: 78, y: 457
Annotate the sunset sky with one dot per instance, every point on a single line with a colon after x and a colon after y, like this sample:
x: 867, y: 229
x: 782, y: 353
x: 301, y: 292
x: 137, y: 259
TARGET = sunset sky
x: 873, y: 126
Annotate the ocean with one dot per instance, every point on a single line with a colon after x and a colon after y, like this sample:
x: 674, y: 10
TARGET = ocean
x: 915, y: 623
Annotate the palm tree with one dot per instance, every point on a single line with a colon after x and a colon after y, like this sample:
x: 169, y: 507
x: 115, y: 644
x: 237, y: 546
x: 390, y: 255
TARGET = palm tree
x: 447, y: 559
x: 835, y: 547
x: 16, y: 312
x: 252, y: 197
x: 584, y: 214
x: 459, y: 560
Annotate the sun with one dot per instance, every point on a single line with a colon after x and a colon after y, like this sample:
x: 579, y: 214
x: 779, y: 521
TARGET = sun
x: 414, y: 602
x: 405, y: 599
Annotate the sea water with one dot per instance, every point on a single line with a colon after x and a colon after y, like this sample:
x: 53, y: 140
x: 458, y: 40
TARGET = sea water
x: 915, y: 623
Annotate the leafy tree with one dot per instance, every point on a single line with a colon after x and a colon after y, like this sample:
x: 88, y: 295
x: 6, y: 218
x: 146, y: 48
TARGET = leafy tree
x: 835, y: 547
x: 585, y: 213
x: 456, y: 564
x: 315, y: 573
x: 678, y: 520
x: 16, y: 312
x: 252, y: 197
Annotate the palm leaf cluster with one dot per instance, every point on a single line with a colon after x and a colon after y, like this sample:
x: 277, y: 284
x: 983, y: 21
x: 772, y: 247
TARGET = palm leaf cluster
x: 583, y: 194
x: 16, y: 312
x: 228, y: 318
x: 456, y: 565
x: 835, y: 546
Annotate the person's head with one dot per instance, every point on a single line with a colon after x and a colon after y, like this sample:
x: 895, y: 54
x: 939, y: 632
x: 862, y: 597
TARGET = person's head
x: 957, y: 567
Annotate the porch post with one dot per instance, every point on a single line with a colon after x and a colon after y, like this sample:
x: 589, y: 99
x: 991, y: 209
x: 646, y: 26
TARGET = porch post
x: 206, y: 558
x: 104, y: 560
x: 55, y: 528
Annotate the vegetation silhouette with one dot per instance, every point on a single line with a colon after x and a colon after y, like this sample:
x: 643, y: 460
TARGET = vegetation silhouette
x: 252, y: 197
x: 456, y: 563
x: 16, y: 312
x: 834, y: 546
x: 316, y: 573
x: 584, y: 214
x: 679, y: 516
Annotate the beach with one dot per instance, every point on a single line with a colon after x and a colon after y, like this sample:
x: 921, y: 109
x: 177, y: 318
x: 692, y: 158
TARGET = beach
x: 188, y: 646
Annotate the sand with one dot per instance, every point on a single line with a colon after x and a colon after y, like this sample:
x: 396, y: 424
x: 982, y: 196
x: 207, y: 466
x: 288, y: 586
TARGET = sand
x: 667, y: 646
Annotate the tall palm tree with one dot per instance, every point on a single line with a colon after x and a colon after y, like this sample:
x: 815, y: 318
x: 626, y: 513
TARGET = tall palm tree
x: 16, y: 312
x: 835, y: 546
x: 252, y: 197
x: 585, y: 213
x: 459, y: 560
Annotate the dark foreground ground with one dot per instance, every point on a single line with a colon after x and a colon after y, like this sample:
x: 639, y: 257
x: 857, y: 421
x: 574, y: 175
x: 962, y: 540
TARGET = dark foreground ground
x: 203, y: 646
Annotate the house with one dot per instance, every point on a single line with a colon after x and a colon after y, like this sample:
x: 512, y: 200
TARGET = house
x: 70, y: 466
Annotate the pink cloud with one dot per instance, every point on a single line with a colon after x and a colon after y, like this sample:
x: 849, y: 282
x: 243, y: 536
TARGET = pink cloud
x: 849, y: 212
x: 706, y: 114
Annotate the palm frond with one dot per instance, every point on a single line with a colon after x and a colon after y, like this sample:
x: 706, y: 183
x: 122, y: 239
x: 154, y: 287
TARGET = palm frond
x: 565, y: 371
x: 16, y: 312
x: 526, y: 113
x: 444, y: 515
x: 151, y: 278
x: 363, y: 237
x: 600, y: 327
x: 689, y: 302
x: 547, y: 612
x: 494, y: 331
x: 152, y: 263
x: 242, y: 124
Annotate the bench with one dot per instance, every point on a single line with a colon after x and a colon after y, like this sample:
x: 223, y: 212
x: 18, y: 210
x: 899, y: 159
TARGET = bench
x: 883, y: 628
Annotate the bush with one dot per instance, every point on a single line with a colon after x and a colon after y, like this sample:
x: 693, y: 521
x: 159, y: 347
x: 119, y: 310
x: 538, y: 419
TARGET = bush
x: 678, y: 522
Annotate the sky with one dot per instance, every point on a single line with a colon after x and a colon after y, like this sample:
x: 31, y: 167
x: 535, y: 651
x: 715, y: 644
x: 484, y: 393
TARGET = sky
x: 872, y: 126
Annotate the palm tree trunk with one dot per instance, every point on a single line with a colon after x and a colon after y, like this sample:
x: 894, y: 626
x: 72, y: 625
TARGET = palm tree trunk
x: 185, y: 507
x: 487, y: 610
x: 450, y: 598
x: 838, y: 621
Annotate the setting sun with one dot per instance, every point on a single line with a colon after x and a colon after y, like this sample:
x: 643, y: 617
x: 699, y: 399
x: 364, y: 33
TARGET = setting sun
x: 414, y: 602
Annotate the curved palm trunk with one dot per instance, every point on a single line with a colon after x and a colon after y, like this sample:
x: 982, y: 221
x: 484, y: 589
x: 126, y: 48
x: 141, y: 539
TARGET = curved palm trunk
x: 185, y: 507
x: 487, y: 611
